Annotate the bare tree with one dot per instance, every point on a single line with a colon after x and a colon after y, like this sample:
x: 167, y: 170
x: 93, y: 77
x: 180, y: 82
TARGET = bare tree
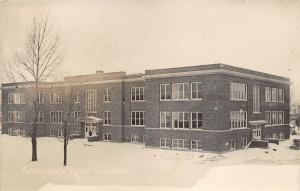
x: 37, y: 62
x: 70, y: 118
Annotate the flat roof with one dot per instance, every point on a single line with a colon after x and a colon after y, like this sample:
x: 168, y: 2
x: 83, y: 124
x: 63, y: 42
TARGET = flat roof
x: 212, y: 67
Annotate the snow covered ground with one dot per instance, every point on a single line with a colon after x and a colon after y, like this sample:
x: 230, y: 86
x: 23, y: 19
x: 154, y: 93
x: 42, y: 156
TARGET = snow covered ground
x: 125, y: 166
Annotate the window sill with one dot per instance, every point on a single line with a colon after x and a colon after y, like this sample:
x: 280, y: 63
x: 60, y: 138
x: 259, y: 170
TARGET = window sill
x: 181, y: 129
x: 164, y: 147
x: 138, y: 101
x: 179, y: 148
x: 106, y: 101
x: 238, y: 100
x: 239, y: 128
x: 180, y: 99
x: 137, y: 125
x: 196, y: 149
x: 198, y: 99
x: 257, y: 112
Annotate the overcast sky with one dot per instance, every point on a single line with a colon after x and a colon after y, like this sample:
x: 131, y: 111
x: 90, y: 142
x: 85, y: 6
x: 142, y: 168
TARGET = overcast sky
x: 134, y: 35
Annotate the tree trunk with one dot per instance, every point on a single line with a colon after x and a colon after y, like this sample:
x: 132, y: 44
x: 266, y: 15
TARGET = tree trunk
x: 34, y: 128
x: 34, y: 150
x: 65, y: 153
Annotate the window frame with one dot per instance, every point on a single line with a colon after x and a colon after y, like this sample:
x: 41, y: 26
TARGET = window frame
x: 60, y: 115
x: 238, y: 91
x: 106, y: 137
x: 176, y: 92
x: 91, y: 101
x: 197, y: 145
x: 106, y: 118
x: 40, y: 98
x: 39, y: 117
x: 56, y: 97
x: 178, y: 144
x: 197, y: 90
x: 140, y: 119
x: 183, y: 119
x: 107, y: 95
x: 165, y: 93
x: 244, y: 142
x: 140, y: 95
x: 256, y: 99
x: 164, y: 113
x: 134, y: 138
x: 235, y: 123
x: 167, y: 141
x: 197, y: 120
x: 280, y: 95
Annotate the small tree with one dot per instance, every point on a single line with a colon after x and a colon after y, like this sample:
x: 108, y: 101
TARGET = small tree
x: 36, y: 63
x: 70, y: 123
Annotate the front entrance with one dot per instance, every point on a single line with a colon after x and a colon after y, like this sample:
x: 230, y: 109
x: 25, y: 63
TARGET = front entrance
x: 90, y: 129
x: 256, y: 132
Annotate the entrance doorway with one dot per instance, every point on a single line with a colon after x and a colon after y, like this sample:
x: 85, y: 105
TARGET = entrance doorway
x: 90, y: 129
x: 256, y: 132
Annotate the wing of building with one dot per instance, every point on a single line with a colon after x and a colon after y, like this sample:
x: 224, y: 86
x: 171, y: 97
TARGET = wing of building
x: 212, y: 107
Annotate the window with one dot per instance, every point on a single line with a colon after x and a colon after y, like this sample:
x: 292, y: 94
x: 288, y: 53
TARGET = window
x: 256, y: 99
x: 137, y: 118
x: 106, y: 136
x: 10, y: 98
x: 165, y: 119
x: 165, y: 92
x: 60, y: 133
x: 244, y: 142
x: 75, y: 96
x: 179, y: 143
x: 107, y: 117
x: 16, y: 98
x: 281, y: 135
x: 56, y: 116
x: 238, y: 119
x: 180, y: 120
x: 40, y: 98
x: 196, y: 144
x: 52, y: 133
x: 268, y: 94
x: 281, y: 95
x: 196, y: 120
x: 76, y: 115
x: 134, y: 138
x: 238, y: 91
x: 91, y: 101
x: 107, y: 95
x: 56, y: 97
x: 165, y: 142
x: 274, y: 117
x: 268, y: 117
x: 40, y: 117
x: 280, y: 117
x: 137, y: 94
x: 16, y: 116
x: 232, y: 144
x: 196, y: 90
x: 274, y: 94
x: 180, y: 91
